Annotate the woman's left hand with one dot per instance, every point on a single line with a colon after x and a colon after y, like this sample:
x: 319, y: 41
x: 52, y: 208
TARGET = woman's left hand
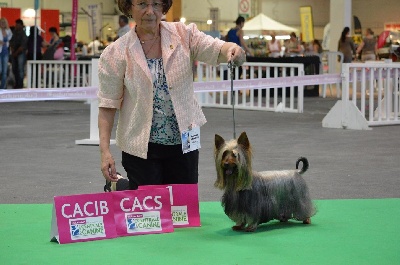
x: 236, y: 55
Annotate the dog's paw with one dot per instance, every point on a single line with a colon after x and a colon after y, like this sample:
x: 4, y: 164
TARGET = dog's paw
x: 283, y: 219
x: 238, y: 227
x: 307, y: 221
x: 251, y: 228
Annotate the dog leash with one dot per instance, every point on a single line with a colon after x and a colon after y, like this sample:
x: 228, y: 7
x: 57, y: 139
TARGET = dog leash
x: 231, y: 67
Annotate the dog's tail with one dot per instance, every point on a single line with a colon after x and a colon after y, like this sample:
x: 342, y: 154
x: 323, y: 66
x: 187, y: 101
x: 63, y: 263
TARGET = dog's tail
x: 305, y: 164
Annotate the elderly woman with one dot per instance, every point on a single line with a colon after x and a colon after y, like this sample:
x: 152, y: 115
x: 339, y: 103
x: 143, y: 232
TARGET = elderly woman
x: 147, y: 75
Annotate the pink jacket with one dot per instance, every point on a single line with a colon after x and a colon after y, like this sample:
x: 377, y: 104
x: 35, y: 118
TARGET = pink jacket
x: 125, y: 81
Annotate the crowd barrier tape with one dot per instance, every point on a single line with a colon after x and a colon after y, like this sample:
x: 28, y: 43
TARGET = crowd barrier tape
x: 90, y: 94
x: 42, y: 94
x: 84, y: 93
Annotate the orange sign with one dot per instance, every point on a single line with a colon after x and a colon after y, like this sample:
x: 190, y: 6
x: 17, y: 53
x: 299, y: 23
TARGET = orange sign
x: 392, y: 26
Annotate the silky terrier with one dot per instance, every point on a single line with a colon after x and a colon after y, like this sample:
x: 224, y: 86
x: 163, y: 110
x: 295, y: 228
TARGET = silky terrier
x: 251, y: 198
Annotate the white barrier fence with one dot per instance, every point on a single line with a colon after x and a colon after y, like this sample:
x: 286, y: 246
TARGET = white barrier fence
x: 64, y: 74
x: 58, y: 74
x: 381, y: 79
x: 202, y: 87
x: 370, y: 97
x: 283, y: 99
x: 331, y: 63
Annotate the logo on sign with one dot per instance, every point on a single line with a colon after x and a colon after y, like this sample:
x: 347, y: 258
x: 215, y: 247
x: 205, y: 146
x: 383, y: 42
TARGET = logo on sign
x: 180, y: 215
x: 143, y: 222
x: 90, y: 227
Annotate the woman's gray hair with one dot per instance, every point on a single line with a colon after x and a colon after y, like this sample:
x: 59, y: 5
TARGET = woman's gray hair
x: 126, y: 5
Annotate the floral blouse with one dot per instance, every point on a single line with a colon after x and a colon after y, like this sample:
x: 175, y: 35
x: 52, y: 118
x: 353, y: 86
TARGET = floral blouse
x: 164, y: 127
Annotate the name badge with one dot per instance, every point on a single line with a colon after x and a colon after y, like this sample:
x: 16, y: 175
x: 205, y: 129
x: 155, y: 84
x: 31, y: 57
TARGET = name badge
x: 190, y: 140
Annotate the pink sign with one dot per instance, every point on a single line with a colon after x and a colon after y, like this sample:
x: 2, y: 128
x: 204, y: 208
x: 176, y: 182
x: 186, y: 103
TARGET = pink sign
x: 184, y: 203
x: 74, y: 27
x: 139, y: 212
x: 84, y: 217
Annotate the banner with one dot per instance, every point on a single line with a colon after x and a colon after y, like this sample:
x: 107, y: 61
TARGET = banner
x: 95, y: 20
x: 74, y: 24
x: 184, y: 200
x: 84, y: 217
x: 88, y: 217
x: 139, y: 212
x: 307, y: 26
x: 392, y: 26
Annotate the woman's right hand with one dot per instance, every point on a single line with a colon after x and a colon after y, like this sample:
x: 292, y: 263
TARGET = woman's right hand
x: 108, y: 167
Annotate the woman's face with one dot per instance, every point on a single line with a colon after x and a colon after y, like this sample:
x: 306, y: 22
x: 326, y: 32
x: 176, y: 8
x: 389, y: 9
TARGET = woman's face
x: 3, y: 23
x: 147, y: 14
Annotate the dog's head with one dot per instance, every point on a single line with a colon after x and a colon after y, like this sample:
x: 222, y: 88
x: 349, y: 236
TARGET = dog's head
x: 233, y: 163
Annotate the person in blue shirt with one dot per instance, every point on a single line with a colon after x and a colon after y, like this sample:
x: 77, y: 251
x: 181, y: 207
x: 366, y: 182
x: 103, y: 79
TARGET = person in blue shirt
x: 236, y: 35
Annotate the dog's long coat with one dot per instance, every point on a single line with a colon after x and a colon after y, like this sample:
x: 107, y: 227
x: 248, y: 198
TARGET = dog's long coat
x: 251, y: 198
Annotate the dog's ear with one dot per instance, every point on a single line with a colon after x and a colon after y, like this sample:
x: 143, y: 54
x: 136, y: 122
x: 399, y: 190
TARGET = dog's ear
x: 243, y: 140
x: 219, y: 141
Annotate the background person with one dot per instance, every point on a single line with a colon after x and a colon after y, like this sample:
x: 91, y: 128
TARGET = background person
x: 274, y: 47
x: 368, y: 47
x: 123, y: 26
x: 5, y: 37
x: 293, y: 46
x: 54, y: 35
x: 40, y: 43
x: 346, y: 46
x: 18, y: 45
x: 313, y: 48
x: 317, y: 48
x: 94, y: 47
x: 55, y: 47
x: 235, y: 35
x: 147, y: 75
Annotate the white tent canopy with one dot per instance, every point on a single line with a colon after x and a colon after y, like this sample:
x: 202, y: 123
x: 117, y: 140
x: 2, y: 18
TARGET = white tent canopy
x: 261, y: 25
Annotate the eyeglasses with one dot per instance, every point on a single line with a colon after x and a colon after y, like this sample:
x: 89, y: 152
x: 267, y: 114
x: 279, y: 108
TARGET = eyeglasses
x: 157, y: 6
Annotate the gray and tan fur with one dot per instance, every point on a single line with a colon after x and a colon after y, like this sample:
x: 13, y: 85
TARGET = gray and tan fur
x: 251, y: 198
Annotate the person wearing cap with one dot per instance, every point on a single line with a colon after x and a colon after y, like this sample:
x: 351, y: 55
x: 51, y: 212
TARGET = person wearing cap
x: 18, y: 46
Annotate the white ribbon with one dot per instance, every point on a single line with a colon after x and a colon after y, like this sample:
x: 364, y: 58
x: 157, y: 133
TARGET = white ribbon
x: 83, y: 93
